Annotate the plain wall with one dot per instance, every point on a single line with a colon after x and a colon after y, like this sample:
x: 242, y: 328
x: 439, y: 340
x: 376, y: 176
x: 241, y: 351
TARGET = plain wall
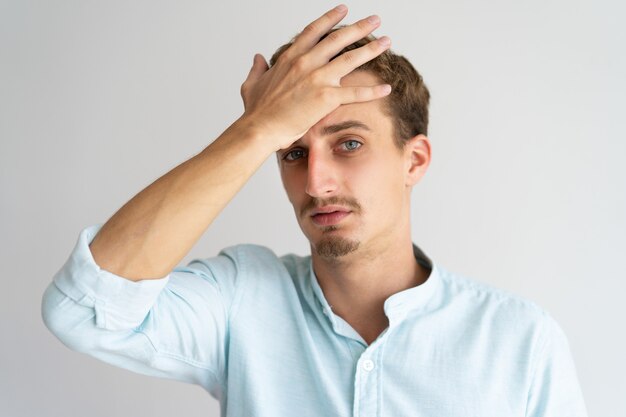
x: 526, y: 190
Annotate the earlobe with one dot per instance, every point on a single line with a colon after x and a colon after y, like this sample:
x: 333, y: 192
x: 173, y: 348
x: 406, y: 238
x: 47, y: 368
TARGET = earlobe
x: 417, y: 155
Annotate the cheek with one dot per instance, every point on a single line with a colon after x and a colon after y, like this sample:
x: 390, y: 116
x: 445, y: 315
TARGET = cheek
x: 293, y: 185
x: 383, y: 185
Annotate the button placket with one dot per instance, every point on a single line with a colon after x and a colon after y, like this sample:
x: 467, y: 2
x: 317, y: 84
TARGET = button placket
x: 366, y: 384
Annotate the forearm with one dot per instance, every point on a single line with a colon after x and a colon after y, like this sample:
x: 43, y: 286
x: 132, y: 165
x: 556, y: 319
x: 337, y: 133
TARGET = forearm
x: 152, y: 232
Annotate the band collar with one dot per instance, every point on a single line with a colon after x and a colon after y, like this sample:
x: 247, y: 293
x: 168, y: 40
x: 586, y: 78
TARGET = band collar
x: 399, y: 304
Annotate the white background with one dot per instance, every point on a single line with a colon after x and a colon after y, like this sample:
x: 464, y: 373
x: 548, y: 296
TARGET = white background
x: 526, y: 191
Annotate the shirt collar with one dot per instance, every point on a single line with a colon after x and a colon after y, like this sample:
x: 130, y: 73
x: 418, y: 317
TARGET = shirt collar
x: 399, y: 304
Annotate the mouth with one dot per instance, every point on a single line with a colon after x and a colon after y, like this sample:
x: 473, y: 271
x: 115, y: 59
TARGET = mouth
x: 329, y: 215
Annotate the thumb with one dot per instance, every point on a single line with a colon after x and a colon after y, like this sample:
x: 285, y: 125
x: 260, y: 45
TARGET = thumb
x: 259, y: 67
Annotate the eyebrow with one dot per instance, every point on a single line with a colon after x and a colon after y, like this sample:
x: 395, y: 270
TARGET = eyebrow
x: 338, y: 127
x: 348, y: 124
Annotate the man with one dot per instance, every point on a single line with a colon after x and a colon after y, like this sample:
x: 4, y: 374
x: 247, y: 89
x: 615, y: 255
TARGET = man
x: 365, y: 326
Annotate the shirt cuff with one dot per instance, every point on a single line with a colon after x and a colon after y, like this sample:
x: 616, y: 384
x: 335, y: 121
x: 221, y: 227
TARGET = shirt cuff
x: 119, y: 303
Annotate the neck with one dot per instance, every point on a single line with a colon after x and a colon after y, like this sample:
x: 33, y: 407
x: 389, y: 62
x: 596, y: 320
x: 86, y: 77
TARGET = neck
x: 357, y: 285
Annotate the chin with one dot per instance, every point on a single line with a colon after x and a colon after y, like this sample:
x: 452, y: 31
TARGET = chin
x: 333, y: 247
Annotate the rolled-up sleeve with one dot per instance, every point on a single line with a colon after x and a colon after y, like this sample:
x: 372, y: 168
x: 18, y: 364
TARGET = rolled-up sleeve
x: 174, y: 327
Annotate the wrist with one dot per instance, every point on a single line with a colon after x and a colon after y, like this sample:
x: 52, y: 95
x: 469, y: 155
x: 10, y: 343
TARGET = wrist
x: 260, y: 133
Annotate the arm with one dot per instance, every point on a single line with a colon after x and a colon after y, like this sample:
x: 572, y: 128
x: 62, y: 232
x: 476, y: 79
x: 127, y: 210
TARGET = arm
x: 554, y: 389
x: 108, y: 300
x: 173, y: 327
x: 151, y: 233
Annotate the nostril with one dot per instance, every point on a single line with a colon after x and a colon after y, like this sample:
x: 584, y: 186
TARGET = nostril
x: 320, y: 189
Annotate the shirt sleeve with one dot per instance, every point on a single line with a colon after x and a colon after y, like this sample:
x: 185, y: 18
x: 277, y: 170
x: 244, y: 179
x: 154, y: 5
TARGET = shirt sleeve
x: 174, y: 327
x: 555, y: 390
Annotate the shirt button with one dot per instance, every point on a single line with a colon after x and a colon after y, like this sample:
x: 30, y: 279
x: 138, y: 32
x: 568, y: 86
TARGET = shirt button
x: 368, y: 365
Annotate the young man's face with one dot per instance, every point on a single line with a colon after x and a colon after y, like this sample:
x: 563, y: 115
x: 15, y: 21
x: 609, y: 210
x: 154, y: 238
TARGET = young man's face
x: 347, y: 180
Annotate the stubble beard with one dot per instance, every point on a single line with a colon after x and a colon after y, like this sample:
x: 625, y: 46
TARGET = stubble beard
x: 333, y: 247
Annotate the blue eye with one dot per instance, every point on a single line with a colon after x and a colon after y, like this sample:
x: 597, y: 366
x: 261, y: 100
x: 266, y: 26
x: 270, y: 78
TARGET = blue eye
x: 294, y: 155
x: 351, y: 145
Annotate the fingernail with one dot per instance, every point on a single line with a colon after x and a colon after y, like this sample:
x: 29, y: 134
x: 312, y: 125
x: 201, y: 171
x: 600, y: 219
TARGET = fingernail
x: 373, y: 19
x: 341, y: 8
x: 384, y: 41
x: 386, y: 89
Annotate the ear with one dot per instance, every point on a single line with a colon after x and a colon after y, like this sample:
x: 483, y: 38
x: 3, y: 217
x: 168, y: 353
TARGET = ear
x: 417, y: 159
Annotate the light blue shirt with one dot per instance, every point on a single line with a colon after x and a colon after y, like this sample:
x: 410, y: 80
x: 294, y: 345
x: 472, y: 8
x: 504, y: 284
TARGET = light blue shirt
x: 256, y: 331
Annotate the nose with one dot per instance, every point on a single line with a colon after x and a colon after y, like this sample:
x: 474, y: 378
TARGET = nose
x: 321, y: 175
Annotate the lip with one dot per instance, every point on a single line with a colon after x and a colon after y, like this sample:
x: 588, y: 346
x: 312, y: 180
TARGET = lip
x: 329, y: 215
x: 328, y: 209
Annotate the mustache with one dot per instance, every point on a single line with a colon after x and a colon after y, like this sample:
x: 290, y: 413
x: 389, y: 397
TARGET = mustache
x: 315, y: 202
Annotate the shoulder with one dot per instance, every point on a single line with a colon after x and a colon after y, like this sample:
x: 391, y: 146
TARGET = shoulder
x: 490, y: 303
x: 253, y: 254
x: 243, y: 271
x: 502, y: 322
x: 258, y: 260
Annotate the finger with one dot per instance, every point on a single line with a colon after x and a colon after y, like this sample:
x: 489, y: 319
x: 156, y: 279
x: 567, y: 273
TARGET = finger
x: 259, y: 67
x: 336, y: 41
x: 349, y: 95
x: 349, y: 61
x: 312, y: 33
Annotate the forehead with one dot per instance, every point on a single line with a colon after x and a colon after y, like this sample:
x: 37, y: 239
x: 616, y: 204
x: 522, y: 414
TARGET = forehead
x: 371, y: 113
